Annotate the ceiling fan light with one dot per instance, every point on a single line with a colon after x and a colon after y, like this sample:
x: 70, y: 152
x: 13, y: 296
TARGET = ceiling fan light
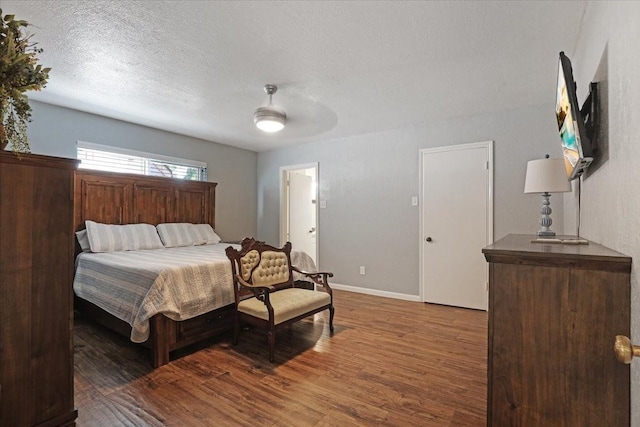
x: 269, y: 119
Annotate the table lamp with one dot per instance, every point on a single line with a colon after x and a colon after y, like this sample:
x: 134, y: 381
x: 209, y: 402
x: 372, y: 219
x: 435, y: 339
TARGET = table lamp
x: 546, y: 176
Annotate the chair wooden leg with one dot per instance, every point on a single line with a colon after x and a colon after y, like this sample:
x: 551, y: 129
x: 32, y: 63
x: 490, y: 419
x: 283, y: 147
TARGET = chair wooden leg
x: 331, y: 313
x: 271, y: 336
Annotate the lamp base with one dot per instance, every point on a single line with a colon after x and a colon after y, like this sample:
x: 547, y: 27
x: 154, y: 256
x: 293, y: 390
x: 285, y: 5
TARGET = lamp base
x: 545, y: 220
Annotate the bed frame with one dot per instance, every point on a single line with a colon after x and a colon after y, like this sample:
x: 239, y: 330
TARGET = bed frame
x: 114, y: 198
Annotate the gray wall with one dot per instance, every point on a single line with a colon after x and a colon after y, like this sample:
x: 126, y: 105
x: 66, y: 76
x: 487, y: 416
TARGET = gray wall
x: 368, y: 180
x: 610, y: 211
x: 55, y: 130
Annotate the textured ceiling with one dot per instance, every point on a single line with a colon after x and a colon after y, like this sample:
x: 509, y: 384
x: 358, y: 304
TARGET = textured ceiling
x: 343, y: 68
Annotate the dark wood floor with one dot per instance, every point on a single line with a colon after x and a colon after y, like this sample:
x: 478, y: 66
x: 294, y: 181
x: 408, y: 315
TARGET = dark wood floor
x: 389, y: 362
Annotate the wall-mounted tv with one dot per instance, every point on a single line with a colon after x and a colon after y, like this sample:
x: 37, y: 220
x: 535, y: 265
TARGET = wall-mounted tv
x: 576, y: 127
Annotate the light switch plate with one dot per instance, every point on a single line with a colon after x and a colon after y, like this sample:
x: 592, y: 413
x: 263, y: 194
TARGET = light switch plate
x: 414, y: 201
x: 323, y: 204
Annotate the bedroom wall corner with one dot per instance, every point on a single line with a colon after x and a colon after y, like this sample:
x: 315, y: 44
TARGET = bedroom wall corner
x: 610, y: 207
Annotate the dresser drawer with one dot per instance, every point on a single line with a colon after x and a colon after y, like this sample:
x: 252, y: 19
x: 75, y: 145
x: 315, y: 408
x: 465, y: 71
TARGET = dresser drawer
x: 206, y: 325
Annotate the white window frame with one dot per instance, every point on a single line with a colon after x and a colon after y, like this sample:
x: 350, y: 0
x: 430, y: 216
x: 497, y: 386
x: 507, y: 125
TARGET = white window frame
x: 202, y: 166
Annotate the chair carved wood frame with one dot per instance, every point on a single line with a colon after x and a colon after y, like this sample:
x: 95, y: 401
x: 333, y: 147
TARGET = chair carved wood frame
x: 266, y: 295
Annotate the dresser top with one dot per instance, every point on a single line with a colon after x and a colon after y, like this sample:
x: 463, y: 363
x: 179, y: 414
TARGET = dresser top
x: 29, y: 159
x: 520, y: 247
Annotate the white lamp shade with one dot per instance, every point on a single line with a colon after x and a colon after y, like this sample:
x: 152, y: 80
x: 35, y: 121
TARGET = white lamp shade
x: 546, y: 176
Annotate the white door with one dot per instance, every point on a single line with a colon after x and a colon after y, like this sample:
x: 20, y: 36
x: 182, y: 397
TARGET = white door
x: 456, y: 223
x: 302, y: 224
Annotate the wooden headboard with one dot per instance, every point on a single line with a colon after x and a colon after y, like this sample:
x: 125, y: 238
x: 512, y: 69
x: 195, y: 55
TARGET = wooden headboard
x: 115, y: 198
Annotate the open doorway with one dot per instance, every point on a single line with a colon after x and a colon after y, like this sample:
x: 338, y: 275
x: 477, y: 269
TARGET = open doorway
x: 299, y: 208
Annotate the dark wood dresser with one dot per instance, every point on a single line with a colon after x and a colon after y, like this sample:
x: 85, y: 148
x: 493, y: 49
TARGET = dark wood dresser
x: 554, y: 313
x: 36, y: 296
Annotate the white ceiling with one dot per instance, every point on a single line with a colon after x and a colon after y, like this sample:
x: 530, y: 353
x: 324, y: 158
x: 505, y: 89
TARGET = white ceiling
x: 343, y: 68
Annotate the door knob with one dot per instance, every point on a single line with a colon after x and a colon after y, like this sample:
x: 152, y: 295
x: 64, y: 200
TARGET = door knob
x: 625, y: 351
x: 429, y: 239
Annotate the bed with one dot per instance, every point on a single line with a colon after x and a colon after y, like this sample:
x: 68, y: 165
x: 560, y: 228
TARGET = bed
x: 180, y: 283
x: 141, y: 293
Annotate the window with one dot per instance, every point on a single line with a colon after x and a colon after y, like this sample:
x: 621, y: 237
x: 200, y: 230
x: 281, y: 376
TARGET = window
x: 113, y: 159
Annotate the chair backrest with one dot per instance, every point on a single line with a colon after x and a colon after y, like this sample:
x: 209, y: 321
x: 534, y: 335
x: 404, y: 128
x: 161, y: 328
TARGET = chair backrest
x: 260, y: 264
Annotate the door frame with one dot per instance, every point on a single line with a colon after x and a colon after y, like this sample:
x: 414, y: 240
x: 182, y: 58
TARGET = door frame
x: 489, y: 228
x: 284, y: 214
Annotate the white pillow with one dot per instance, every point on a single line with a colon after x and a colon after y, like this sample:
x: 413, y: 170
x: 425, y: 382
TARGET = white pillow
x: 204, y: 235
x: 115, y: 238
x: 142, y: 236
x: 106, y: 237
x: 83, y: 240
x: 176, y: 234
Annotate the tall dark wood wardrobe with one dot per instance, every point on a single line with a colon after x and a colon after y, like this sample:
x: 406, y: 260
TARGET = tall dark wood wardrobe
x: 36, y: 296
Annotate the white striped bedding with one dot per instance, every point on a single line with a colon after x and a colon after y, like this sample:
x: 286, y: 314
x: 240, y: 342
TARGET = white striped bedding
x: 180, y: 283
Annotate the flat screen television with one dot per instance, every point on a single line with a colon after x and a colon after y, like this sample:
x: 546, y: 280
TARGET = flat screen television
x: 576, y: 127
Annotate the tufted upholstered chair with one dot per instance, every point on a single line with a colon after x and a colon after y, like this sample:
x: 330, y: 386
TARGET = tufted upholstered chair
x: 266, y: 294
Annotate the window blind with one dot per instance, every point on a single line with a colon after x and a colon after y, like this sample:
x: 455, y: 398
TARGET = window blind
x: 113, y: 159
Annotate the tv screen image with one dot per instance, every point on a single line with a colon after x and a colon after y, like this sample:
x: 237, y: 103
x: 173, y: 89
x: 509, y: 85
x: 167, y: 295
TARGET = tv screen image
x: 576, y: 144
x: 570, y: 148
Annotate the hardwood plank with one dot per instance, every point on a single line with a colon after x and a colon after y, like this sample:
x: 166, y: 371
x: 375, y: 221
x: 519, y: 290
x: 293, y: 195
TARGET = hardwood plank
x: 389, y: 363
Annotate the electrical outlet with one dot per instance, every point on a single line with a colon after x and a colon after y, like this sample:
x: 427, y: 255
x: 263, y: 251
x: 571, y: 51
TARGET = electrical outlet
x: 323, y: 204
x: 414, y: 201
x: 362, y: 270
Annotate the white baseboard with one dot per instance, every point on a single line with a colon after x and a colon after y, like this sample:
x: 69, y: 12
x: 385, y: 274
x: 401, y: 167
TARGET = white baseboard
x: 375, y: 292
